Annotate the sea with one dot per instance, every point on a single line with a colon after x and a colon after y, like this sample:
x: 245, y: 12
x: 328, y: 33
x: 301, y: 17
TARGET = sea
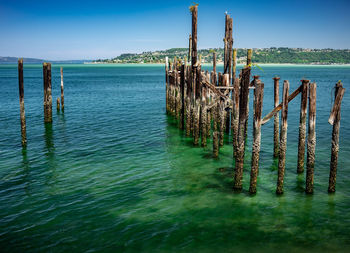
x: 113, y: 172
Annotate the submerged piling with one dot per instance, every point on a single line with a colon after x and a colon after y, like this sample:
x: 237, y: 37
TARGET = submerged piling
x: 62, y: 90
x: 243, y: 116
x: 302, y: 126
x: 311, y: 140
x: 21, y: 103
x: 258, y: 102
x: 283, y: 139
x: 335, y: 120
x: 47, y: 92
x: 276, y: 122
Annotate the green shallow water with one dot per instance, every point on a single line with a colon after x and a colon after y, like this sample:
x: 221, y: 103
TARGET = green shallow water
x: 114, y: 173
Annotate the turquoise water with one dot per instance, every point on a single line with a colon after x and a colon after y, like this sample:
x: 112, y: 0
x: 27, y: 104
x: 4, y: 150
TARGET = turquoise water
x: 114, y: 173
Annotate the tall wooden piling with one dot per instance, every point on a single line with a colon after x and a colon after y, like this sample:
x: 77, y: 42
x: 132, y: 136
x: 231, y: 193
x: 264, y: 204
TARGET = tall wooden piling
x: 216, y: 113
x: 21, y: 103
x: 194, y: 10
x: 47, y: 92
x: 302, y: 126
x: 249, y: 57
x: 283, y: 139
x: 234, y: 65
x: 182, y: 96
x: 190, y: 47
x: 62, y: 90
x: 214, y: 78
x: 311, y: 140
x: 166, y: 85
x: 235, y: 115
x: 226, y: 83
x: 276, y: 122
x: 258, y: 102
x: 243, y: 116
x: 339, y: 93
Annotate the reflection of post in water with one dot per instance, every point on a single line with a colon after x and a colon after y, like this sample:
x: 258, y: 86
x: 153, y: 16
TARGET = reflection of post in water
x: 25, y: 166
x: 48, y: 137
x: 50, y: 154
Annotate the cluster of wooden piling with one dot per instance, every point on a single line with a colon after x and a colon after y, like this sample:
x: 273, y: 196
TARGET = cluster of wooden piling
x: 209, y: 104
x: 47, y: 97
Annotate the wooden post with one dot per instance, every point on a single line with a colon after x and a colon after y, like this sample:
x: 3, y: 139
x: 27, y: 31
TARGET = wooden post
x: 276, y: 122
x: 311, y: 140
x: 189, y: 47
x: 258, y: 102
x: 21, y: 103
x: 302, y: 126
x: 196, y: 111
x: 226, y: 83
x: 235, y: 115
x: 62, y: 90
x: 204, y: 117
x: 221, y: 124
x: 166, y: 85
x: 214, y: 78
x: 182, y: 96
x: 58, y: 104
x: 216, y: 110
x: 234, y: 65
x: 249, y: 57
x: 229, y: 49
x: 243, y: 102
x: 283, y: 139
x: 339, y: 93
x: 194, y: 10
x: 47, y: 93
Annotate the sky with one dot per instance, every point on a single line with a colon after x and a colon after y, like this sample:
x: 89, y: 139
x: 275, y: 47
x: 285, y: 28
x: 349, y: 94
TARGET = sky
x: 67, y: 30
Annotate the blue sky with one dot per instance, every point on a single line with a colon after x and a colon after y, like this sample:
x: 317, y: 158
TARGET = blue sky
x: 58, y: 30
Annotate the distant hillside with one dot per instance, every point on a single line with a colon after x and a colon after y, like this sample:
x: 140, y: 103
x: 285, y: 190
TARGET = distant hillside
x: 8, y: 60
x: 261, y: 55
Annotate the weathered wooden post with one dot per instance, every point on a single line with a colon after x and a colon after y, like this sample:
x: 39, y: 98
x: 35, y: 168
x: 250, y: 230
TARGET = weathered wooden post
x: 276, y: 122
x: 283, y: 139
x: 226, y: 83
x: 194, y: 10
x: 243, y: 102
x: 204, y: 118
x: 189, y: 47
x: 216, y: 110
x: 235, y: 115
x: 62, y: 89
x: 214, y: 77
x: 311, y: 140
x: 47, y: 92
x: 166, y: 85
x: 302, y: 126
x: 182, y: 92
x: 234, y: 65
x: 334, y: 120
x: 258, y: 102
x: 249, y: 57
x: 21, y: 103
x: 58, y: 104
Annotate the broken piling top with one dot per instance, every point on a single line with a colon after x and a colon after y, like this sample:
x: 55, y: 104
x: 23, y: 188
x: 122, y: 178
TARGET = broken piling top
x: 194, y: 11
x: 339, y: 93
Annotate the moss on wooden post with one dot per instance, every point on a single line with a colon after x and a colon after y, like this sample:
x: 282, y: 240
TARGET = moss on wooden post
x: 283, y: 139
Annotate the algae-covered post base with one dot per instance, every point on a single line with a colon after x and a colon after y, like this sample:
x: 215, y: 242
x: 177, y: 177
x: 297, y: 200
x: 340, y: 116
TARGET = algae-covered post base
x: 276, y: 122
x: 47, y: 92
x: 302, y: 126
x: 339, y: 93
x: 311, y: 140
x: 21, y: 103
x: 283, y: 139
x: 216, y: 110
x: 258, y: 102
x: 62, y: 91
x: 243, y: 102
